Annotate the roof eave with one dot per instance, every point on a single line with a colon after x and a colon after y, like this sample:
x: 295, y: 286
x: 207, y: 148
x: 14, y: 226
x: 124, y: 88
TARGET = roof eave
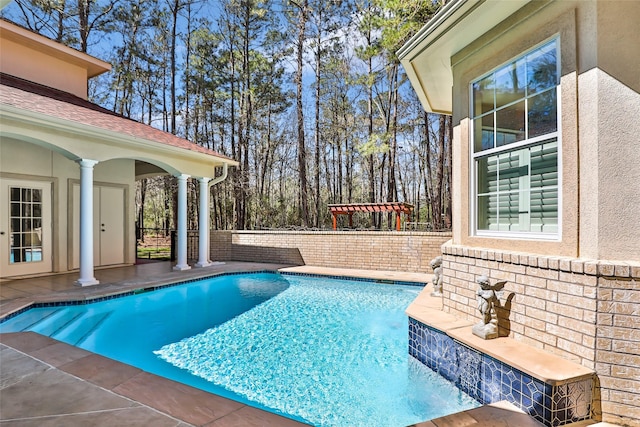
x: 114, y: 137
x: 426, y: 57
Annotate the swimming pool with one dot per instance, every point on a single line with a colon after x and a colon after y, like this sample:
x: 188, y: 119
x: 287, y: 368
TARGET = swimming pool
x: 325, y: 351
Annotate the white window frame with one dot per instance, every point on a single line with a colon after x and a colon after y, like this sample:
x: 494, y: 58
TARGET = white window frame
x: 473, y: 156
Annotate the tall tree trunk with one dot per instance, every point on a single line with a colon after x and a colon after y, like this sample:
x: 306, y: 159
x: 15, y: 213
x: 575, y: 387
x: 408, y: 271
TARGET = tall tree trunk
x: 392, y: 190
x: 317, y: 120
x: 448, y: 207
x: 437, y: 199
x: 174, y: 29
x: 143, y: 195
x: 302, y: 156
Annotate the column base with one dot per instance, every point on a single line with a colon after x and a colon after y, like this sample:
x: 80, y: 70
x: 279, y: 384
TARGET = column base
x: 87, y: 282
x: 182, y: 267
x: 208, y: 264
x: 202, y: 264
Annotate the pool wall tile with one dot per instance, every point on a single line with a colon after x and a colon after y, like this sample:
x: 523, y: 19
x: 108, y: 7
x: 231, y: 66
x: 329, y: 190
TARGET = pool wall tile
x: 489, y: 380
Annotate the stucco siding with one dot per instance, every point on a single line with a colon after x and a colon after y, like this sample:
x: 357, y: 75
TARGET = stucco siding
x: 49, y: 71
x: 618, y: 169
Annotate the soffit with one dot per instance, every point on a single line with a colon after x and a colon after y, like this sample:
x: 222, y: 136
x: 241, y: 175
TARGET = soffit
x: 426, y: 57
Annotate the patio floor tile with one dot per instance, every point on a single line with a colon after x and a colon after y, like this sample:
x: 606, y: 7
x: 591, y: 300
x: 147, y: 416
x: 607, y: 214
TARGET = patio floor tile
x: 186, y: 403
x: 131, y: 417
x: 99, y: 370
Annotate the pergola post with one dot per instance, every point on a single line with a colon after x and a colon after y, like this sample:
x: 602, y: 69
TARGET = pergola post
x: 182, y: 224
x: 203, y: 225
x: 86, y: 223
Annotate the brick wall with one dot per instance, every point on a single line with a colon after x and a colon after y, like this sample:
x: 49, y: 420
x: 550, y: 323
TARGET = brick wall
x: 585, y: 311
x: 618, y: 344
x: 380, y: 250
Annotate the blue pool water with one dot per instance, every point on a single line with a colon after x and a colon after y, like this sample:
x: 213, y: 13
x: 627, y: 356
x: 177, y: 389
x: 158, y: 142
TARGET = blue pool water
x: 325, y: 351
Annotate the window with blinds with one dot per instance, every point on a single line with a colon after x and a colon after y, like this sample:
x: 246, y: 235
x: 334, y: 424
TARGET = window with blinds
x: 515, y: 146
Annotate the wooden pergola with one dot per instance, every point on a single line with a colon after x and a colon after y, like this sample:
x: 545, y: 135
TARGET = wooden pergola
x: 351, y: 208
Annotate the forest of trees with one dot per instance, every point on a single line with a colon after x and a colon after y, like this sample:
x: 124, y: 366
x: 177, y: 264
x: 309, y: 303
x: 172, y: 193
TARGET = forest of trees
x: 307, y: 95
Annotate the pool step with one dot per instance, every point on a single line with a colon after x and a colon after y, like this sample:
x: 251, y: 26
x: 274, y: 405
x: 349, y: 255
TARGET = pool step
x: 54, y: 322
x: 80, y: 328
x: 31, y: 318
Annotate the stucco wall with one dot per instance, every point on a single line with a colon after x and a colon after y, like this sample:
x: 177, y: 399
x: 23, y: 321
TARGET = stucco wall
x: 45, y: 69
x: 393, y: 251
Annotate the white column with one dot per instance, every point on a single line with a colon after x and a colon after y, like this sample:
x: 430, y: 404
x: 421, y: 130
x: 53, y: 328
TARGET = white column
x: 203, y: 225
x: 181, y: 247
x: 86, y: 223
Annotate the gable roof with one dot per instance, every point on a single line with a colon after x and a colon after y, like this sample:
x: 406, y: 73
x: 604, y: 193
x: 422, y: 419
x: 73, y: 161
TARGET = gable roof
x: 39, y: 99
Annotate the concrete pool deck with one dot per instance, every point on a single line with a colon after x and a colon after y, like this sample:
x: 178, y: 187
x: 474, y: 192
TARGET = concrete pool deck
x: 44, y: 382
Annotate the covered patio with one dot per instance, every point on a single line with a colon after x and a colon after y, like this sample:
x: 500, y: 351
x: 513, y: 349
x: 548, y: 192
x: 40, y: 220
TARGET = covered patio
x: 68, y: 167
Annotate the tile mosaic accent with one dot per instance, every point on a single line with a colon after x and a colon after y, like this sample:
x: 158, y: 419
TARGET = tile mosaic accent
x: 489, y: 380
x: 355, y: 279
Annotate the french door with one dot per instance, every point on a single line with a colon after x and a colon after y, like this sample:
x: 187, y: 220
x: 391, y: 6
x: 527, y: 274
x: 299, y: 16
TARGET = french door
x: 25, y: 227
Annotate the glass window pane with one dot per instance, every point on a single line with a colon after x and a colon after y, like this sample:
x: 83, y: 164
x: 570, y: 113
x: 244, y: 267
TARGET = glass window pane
x: 488, y: 212
x: 544, y: 165
x: 483, y: 96
x: 544, y: 211
x: 542, y: 69
x: 510, y: 124
x: 15, y: 209
x: 508, y: 212
x: 488, y: 174
x: 511, y: 170
x: 26, y: 209
x: 15, y: 194
x: 26, y: 194
x: 483, y: 137
x: 16, y: 256
x: 26, y: 224
x: 543, y: 114
x: 37, y: 195
x: 37, y: 210
x: 15, y: 225
x: 510, y: 83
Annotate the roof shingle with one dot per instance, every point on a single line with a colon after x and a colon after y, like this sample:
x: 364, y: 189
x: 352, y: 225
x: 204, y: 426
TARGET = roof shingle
x: 52, y: 102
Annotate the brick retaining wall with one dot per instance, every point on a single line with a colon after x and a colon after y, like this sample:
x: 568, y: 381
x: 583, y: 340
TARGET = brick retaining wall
x: 376, y: 250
